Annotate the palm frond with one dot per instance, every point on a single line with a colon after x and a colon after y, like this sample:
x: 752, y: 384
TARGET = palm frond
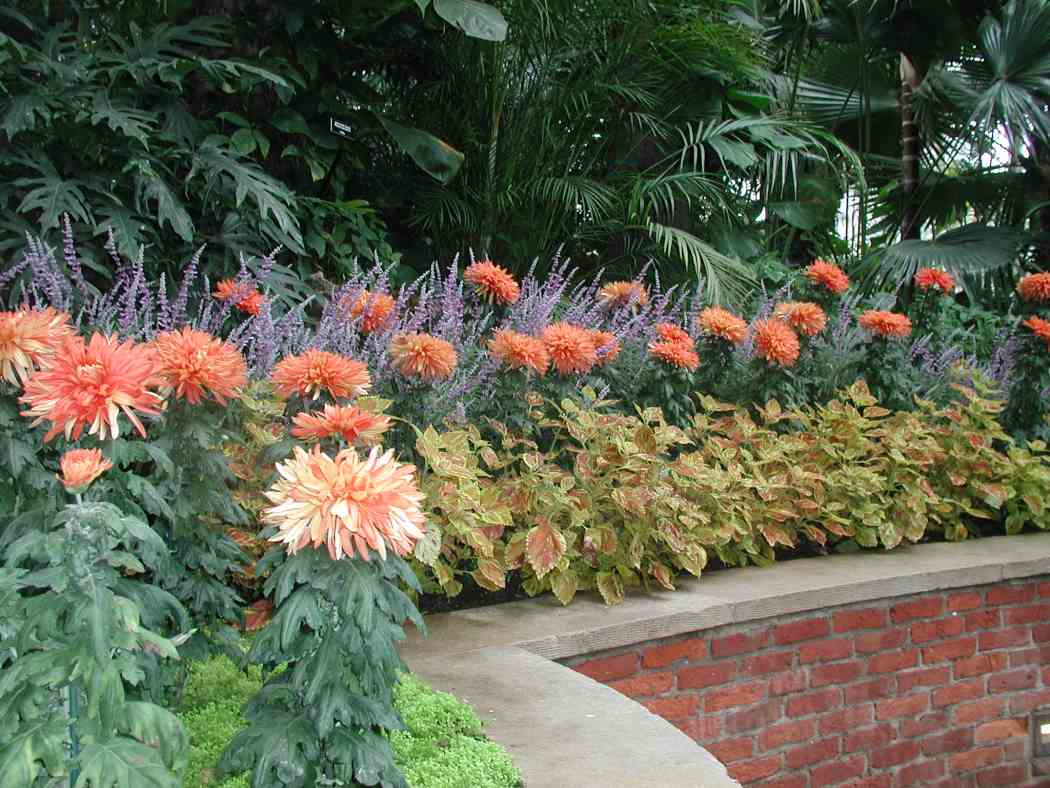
x: 726, y: 280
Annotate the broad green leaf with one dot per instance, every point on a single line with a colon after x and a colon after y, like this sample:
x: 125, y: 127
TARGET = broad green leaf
x: 170, y: 209
x: 610, y: 586
x: 437, y: 158
x: 477, y: 20
x: 123, y: 763
x: 35, y: 747
x: 797, y: 214
x: 158, y: 728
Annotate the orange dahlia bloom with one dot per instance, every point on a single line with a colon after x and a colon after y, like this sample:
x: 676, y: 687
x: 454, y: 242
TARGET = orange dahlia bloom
x: 195, y: 365
x: 246, y: 298
x: 373, y: 309
x: 803, y: 316
x: 520, y: 351
x: 349, y: 422
x: 827, y: 275
x: 606, y: 346
x: 423, y: 356
x: 1040, y: 327
x: 313, y: 370
x: 617, y: 294
x: 677, y: 354
x: 927, y: 278
x: 80, y: 467
x: 671, y: 333
x: 723, y: 324
x: 885, y: 324
x: 346, y: 503
x: 571, y: 348
x: 776, y: 342
x: 27, y: 338
x: 1035, y: 287
x: 88, y: 384
x: 493, y: 282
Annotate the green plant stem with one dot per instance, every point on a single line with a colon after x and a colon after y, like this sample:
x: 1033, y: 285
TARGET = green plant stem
x: 74, y: 739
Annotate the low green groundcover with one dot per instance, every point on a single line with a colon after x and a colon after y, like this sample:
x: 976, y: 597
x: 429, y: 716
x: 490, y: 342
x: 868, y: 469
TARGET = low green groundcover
x: 441, y: 747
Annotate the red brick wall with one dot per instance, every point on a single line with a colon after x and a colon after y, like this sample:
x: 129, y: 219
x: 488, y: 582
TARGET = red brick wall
x: 932, y: 689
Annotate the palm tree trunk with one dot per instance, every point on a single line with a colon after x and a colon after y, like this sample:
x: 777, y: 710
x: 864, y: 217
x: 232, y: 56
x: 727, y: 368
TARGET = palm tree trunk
x: 910, y: 149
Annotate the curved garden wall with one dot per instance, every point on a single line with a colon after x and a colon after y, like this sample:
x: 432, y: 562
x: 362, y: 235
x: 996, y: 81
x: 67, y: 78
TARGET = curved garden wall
x: 908, y: 690
x: 918, y: 667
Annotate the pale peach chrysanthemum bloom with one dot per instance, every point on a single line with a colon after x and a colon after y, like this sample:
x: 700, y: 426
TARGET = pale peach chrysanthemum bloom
x: 80, y: 467
x: 349, y: 422
x: 88, y: 384
x: 1040, y: 327
x: 827, y: 275
x: 933, y: 278
x: 776, y: 342
x: 493, y: 282
x: 1035, y: 287
x: 669, y: 332
x: 423, y: 356
x: 346, y: 503
x: 571, y: 348
x: 805, y: 317
x: 245, y: 297
x: 27, y: 338
x: 373, y: 308
x: 617, y: 294
x: 312, y: 371
x: 677, y: 354
x: 194, y: 364
x: 606, y: 345
x: 885, y: 324
x: 520, y: 351
x: 722, y: 323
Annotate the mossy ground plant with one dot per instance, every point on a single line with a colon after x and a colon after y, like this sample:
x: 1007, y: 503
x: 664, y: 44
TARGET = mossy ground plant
x: 442, y: 745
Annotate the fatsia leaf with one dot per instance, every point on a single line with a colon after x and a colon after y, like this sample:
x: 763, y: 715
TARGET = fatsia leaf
x: 170, y: 209
x: 35, y: 747
x: 122, y: 762
x: 544, y: 547
x: 158, y: 728
x: 22, y: 112
x: 477, y: 20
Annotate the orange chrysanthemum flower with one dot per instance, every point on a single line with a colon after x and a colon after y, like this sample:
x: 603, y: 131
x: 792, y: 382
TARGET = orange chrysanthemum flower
x: 571, y: 348
x: 804, y: 317
x: 885, y: 324
x: 617, y: 294
x: 520, y: 351
x: 932, y: 278
x: 423, y: 356
x: 723, y: 324
x: 195, y: 365
x: 1041, y: 328
x: 1035, y: 287
x: 346, y: 503
x: 373, y: 309
x: 27, y: 338
x: 349, y: 422
x: 677, y: 354
x: 671, y: 333
x: 246, y: 298
x: 776, y: 342
x: 80, y: 467
x: 315, y: 370
x: 827, y: 275
x: 88, y: 384
x: 493, y: 282
x: 606, y: 346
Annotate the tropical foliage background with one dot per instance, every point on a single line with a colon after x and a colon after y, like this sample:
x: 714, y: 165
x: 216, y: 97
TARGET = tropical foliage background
x: 722, y: 139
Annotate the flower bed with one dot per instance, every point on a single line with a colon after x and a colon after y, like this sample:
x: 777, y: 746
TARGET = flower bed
x: 576, y: 436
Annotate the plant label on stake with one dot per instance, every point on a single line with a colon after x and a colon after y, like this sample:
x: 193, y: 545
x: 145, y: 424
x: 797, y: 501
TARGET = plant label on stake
x: 338, y: 127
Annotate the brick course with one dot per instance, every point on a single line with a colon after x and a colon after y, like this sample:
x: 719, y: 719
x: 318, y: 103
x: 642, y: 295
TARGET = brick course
x: 929, y: 689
